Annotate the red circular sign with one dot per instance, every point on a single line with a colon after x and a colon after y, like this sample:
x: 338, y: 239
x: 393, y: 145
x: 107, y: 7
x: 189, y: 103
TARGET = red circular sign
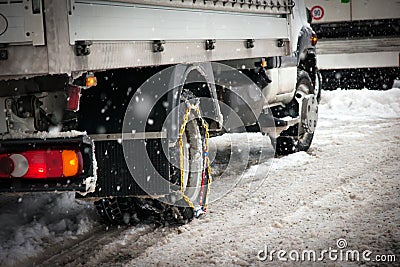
x: 317, y: 12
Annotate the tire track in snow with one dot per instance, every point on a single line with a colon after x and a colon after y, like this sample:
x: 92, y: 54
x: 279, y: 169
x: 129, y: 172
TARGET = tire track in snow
x: 77, y: 252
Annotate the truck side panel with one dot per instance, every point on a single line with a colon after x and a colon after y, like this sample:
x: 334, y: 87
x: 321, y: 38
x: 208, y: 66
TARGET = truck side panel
x: 365, y: 9
x: 21, y: 22
x: 121, y: 35
x: 110, y: 21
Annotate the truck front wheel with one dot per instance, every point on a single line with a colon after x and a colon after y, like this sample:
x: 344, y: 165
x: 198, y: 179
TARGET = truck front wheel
x: 305, y: 107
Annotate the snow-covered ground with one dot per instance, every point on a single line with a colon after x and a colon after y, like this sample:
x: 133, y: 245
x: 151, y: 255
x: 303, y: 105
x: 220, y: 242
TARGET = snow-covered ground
x: 346, y: 186
x: 30, y: 223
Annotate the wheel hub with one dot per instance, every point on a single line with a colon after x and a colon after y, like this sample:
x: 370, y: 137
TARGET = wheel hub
x: 309, y: 113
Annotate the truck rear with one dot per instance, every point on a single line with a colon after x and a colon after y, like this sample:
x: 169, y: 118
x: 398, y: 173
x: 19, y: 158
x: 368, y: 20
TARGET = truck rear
x: 116, y: 100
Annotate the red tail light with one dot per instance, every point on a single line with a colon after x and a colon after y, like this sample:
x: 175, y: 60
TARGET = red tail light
x: 41, y: 164
x: 74, y: 95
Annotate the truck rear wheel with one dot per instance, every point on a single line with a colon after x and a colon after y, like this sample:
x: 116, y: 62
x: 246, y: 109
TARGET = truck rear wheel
x: 192, y: 173
x: 191, y: 176
x: 305, y: 106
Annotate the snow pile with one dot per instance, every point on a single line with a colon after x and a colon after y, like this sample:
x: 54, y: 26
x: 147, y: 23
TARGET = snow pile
x: 292, y: 160
x: 29, y: 222
x: 360, y: 104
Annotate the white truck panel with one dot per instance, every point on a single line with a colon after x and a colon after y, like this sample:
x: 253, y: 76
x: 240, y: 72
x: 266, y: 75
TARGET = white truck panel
x: 359, y: 60
x: 383, y: 9
x: 329, y: 10
x: 18, y: 24
x: 358, y: 53
x: 110, y: 21
x: 122, y: 37
x: 337, y: 10
x: 361, y: 52
x: 336, y: 46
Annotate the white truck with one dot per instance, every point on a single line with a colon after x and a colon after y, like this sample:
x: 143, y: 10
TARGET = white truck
x: 359, y: 42
x: 116, y: 100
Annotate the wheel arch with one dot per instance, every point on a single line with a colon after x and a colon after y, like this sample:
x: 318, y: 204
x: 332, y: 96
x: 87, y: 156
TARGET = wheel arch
x: 306, y: 53
x: 183, y: 75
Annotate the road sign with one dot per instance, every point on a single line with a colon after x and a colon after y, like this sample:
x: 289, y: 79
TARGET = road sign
x: 317, y: 12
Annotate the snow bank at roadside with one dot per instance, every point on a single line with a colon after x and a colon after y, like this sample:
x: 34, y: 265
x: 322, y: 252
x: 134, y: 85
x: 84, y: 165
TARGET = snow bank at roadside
x: 29, y: 222
x: 360, y: 104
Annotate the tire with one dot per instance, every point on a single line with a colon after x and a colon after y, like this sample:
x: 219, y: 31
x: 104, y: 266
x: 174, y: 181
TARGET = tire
x: 318, y: 84
x: 196, y: 174
x: 299, y: 137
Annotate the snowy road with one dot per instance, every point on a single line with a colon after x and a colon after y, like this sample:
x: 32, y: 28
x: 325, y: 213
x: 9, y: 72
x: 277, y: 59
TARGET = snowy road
x: 345, y: 187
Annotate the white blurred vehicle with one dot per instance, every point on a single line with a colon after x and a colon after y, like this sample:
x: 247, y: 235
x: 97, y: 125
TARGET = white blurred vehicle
x: 359, y: 42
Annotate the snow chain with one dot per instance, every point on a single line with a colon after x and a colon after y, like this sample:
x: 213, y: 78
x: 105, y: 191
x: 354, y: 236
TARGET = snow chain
x: 206, y: 168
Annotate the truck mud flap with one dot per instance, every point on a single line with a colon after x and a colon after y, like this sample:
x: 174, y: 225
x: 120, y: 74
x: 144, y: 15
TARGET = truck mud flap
x: 115, y: 178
